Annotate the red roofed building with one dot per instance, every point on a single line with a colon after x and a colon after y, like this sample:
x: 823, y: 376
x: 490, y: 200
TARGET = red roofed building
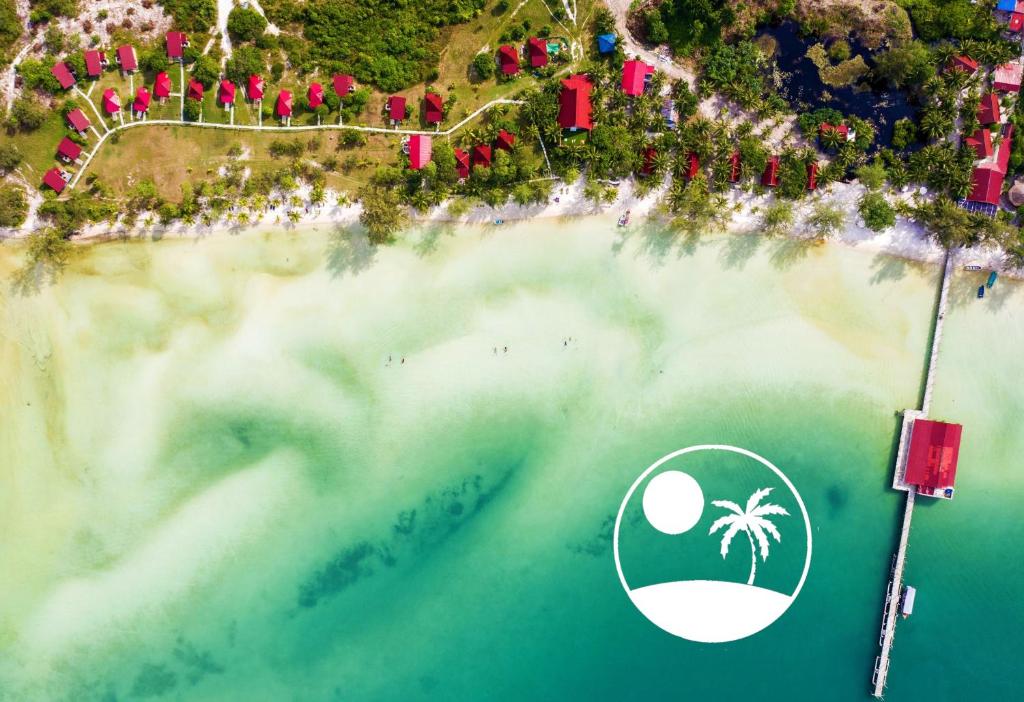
x: 315, y: 95
x: 932, y: 459
x: 1006, y: 78
x: 508, y: 60
x: 841, y: 130
x: 988, y: 109
x: 650, y: 153
x: 68, y: 150
x: 94, y: 63
x: 692, y: 166
x: 111, y: 102
x: 481, y: 155
x: 734, y: 167
x: 126, y: 58
x: 634, y: 77
x: 1016, y: 22
x: 420, y: 150
x: 63, y: 75
x: 226, y: 93
x: 195, y: 90
x: 770, y: 177
x: 176, y: 43
x: 283, y: 108
x: 433, y: 108
x: 537, y: 52
x: 574, y: 110
x: 462, y: 163
x: 962, y: 63
x: 812, y: 176
x: 56, y: 179
x: 505, y: 140
x: 255, y: 88
x: 396, y: 108
x: 987, y: 179
x: 981, y: 142
x: 78, y: 121
x: 141, y: 104
x: 162, y: 86
x: 344, y: 84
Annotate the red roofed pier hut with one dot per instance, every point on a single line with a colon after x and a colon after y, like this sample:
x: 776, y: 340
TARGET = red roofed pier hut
x: 481, y: 156
x: 932, y: 459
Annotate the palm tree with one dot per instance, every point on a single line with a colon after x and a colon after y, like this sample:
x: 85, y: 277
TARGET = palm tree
x: 750, y: 521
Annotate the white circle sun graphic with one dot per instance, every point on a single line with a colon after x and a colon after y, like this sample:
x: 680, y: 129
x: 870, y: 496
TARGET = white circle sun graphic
x: 705, y: 611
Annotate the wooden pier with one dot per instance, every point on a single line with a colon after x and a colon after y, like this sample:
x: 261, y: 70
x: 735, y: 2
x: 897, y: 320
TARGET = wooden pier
x: 890, y: 609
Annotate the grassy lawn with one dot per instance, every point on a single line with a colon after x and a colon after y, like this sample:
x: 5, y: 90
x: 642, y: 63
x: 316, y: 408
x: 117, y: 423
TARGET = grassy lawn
x: 39, y: 148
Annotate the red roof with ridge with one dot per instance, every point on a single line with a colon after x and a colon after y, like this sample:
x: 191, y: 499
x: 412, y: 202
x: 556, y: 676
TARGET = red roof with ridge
x: 508, y: 60
x: 933, y: 455
x: 111, y: 102
x: 126, y: 57
x: 94, y: 63
x: 396, y: 108
x: 988, y: 109
x: 315, y: 95
x: 162, y: 86
x: 574, y: 109
x: 434, y: 108
x: 195, y: 90
x: 226, y: 93
x: 1007, y: 77
x: 420, y: 150
x: 481, y: 155
x: 505, y: 140
x: 53, y: 179
x: 141, y: 103
x: 63, y: 75
x: 962, y: 63
x: 176, y: 43
x: 256, y: 87
x: 537, y: 51
x: 634, y: 77
x: 343, y: 84
x: 283, y: 108
x: 462, y: 163
x: 734, y: 167
x: 78, y: 121
x: 770, y: 177
x: 68, y: 149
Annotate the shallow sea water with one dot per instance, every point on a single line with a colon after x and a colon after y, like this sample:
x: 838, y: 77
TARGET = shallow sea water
x: 215, y: 485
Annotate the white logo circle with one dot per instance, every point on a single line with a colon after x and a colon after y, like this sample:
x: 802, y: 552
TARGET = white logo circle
x: 711, y: 611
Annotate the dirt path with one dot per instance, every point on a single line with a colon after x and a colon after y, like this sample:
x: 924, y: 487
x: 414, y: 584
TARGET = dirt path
x: 620, y: 8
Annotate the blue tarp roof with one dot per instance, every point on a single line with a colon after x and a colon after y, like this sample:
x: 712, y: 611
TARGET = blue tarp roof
x: 606, y: 43
x: 1006, y: 5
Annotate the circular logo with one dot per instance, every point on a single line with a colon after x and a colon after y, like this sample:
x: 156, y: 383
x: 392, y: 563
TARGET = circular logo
x: 713, y: 571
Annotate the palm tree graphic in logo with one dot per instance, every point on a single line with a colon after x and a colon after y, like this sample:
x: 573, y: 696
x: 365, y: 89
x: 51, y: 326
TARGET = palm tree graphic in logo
x: 751, y: 521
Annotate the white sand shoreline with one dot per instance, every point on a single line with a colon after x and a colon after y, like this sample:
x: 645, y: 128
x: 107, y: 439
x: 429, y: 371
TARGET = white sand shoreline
x: 906, y: 239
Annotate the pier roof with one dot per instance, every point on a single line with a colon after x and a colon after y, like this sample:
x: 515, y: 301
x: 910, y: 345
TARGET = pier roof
x: 934, y: 449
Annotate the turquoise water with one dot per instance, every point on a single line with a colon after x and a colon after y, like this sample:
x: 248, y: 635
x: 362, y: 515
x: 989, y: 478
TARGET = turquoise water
x: 217, y: 485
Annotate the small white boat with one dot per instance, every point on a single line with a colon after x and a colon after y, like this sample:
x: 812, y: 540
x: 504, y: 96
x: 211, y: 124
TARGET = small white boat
x: 972, y: 267
x: 908, y: 601
x: 624, y: 219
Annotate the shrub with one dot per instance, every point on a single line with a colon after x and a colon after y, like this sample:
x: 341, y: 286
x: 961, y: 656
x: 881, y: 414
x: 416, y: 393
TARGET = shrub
x: 28, y: 114
x: 10, y: 157
x: 245, y: 24
x: 13, y: 205
x: 876, y: 211
x: 483, y: 64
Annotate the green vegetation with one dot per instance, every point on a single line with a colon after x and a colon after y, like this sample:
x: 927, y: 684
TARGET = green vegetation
x: 245, y: 24
x: 44, y: 10
x: 13, y: 205
x: 958, y: 19
x: 905, y: 66
x: 382, y: 214
x: 244, y: 62
x: 825, y: 220
x: 692, y: 24
x: 777, y: 218
x: 392, y: 47
x: 10, y: 157
x: 878, y: 214
x: 483, y: 64
x: 192, y: 15
x: 10, y: 28
x: 738, y: 72
x: 845, y: 72
x: 27, y: 114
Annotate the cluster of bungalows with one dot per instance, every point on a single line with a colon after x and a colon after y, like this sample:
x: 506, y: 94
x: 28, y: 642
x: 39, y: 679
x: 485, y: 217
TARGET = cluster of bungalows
x: 992, y: 163
x: 534, y: 53
x: 419, y: 147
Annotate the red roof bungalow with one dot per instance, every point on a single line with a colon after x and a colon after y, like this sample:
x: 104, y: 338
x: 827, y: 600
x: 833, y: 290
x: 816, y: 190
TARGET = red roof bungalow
x: 162, y: 86
x: 1007, y: 77
x: 770, y: 177
x: 734, y: 167
x: 94, y: 63
x: 68, y: 150
x: 195, y: 90
x: 981, y: 142
x: 63, y: 75
x: 462, y: 163
x: 226, y: 93
x: 987, y: 180
x: 396, y: 108
x: 508, y: 60
x: 650, y: 153
x: 283, y: 108
x: 420, y: 150
x: 1016, y: 22
x: 574, y: 110
x: 111, y: 102
x: 141, y: 104
x: 537, y: 52
x: 504, y: 141
x: 176, y: 43
x: 126, y: 58
x: 481, y: 156
x: 692, y: 166
x: 634, y: 77
x: 988, y: 109
x: 255, y: 87
x: 56, y: 179
x: 344, y: 84
x: 962, y: 63
x: 315, y: 95
x: 433, y: 108
x: 932, y: 459
x: 812, y: 176
x: 78, y: 121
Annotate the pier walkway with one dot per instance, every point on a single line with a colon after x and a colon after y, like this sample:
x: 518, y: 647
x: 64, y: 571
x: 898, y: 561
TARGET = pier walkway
x: 895, y: 587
